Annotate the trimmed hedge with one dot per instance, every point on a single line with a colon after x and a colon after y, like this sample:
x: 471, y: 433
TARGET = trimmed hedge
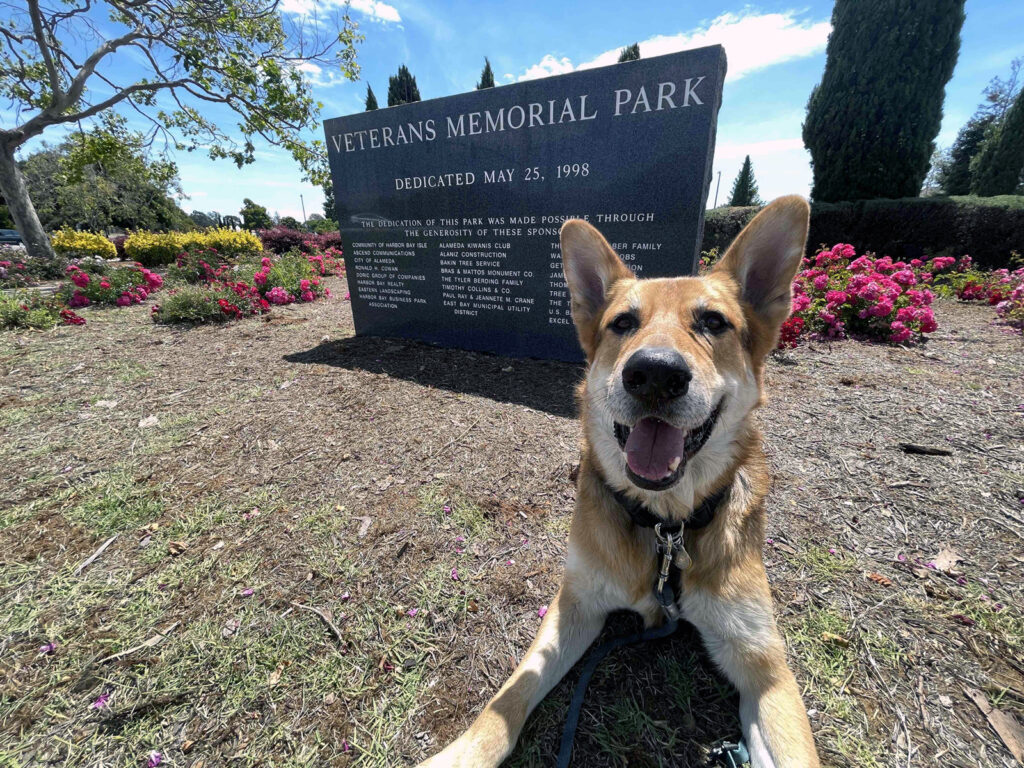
x: 986, y: 228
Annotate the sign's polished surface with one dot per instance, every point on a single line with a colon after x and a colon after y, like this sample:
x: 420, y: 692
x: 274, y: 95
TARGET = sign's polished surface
x: 449, y: 209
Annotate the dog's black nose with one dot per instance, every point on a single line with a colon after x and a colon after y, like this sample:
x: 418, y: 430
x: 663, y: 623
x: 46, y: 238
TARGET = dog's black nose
x: 656, y: 374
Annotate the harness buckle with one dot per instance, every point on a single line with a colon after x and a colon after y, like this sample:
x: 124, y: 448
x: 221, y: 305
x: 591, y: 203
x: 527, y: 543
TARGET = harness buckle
x: 729, y: 754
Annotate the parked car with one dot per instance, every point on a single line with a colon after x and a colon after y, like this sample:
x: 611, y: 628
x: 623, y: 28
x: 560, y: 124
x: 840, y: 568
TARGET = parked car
x: 9, y: 237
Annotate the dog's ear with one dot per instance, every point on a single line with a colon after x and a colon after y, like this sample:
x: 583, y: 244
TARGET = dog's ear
x: 764, y: 259
x: 591, y: 269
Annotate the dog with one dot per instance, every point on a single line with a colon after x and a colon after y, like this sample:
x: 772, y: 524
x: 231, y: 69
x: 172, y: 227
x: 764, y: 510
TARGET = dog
x: 674, y: 372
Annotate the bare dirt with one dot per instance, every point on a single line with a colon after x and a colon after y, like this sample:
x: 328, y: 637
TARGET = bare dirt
x: 372, y: 478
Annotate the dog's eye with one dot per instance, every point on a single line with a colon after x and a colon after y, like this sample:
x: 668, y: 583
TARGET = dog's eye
x: 625, y: 323
x: 713, y: 322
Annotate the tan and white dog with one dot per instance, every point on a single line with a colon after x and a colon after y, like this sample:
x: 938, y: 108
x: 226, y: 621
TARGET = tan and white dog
x: 674, y: 373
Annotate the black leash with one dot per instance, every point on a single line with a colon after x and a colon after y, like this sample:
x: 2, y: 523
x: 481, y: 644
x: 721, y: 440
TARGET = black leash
x: 670, y: 542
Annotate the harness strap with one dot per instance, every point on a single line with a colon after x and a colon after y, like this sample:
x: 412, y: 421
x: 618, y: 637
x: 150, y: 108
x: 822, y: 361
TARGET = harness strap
x: 642, y: 517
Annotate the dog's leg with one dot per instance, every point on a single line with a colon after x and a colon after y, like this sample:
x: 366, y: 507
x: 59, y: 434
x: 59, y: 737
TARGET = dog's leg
x: 740, y: 634
x: 569, y: 627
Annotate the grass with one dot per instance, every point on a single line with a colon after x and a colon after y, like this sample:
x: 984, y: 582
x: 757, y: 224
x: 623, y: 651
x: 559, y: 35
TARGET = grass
x: 113, y: 503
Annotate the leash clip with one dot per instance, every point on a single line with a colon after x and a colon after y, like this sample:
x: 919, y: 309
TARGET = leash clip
x: 729, y: 755
x: 672, y: 551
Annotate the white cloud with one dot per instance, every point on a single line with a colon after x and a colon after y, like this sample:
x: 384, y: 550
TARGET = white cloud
x: 752, y: 41
x: 375, y: 9
x: 546, y: 67
x: 316, y: 75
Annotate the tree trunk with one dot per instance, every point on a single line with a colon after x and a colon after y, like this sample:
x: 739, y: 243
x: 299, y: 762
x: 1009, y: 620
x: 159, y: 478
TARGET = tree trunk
x: 12, y: 185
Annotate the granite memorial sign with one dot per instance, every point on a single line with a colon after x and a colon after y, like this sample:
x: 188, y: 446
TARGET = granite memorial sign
x: 449, y: 209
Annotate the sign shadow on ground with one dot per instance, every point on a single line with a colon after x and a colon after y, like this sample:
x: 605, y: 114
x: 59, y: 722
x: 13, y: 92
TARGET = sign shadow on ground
x: 546, y: 386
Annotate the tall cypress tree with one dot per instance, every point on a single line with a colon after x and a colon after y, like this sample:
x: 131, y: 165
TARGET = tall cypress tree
x: 630, y: 53
x: 872, y: 121
x: 402, y: 88
x: 744, y: 189
x: 1000, y: 164
x: 486, y: 77
x: 371, y: 100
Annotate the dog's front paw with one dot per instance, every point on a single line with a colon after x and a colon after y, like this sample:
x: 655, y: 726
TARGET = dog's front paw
x: 467, y: 752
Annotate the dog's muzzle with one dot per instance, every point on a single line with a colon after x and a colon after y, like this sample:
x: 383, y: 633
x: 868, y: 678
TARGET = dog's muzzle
x: 657, y: 453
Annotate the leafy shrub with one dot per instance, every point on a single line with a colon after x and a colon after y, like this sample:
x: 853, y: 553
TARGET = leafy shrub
x: 327, y: 262
x: 287, y: 279
x: 197, y: 266
x: 156, y: 248
x: 209, y: 303
x: 118, y: 241
x: 988, y: 228
x: 153, y: 249
x: 229, y: 243
x: 839, y: 295
x: 75, y: 245
x: 30, y: 309
x: 123, y: 286
x: 282, y: 239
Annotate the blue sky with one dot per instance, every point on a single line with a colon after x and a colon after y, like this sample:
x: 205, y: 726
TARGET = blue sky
x: 776, y: 53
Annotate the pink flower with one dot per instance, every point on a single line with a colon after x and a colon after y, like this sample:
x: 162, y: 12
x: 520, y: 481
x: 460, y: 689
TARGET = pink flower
x: 412, y: 612
x: 101, y: 701
x: 46, y: 650
x: 900, y: 333
x: 455, y: 574
x: 345, y: 746
x: 304, y: 285
x: 821, y: 282
x: 247, y: 593
x: 81, y: 279
x: 155, y: 759
x: 123, y: 300
x: 542, y: 611
x: 278, y: 295
x: 308, y: 296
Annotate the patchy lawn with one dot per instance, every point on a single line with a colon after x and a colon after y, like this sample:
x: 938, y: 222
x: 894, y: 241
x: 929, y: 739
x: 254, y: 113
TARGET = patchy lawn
x: 331, y: 551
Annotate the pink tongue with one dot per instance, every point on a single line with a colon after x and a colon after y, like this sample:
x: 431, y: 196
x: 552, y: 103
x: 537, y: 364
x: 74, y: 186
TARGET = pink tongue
x: 651, y: 447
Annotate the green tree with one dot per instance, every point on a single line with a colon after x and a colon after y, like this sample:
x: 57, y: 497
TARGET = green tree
x: 254, y: 216
x: 1000, y: 164
x: 371, y: 100
x: 291, y: 222
x: 955, y: 176
x: 630, y: 53
x: 104, y: 178
x: 202, y: 220
x: 486, y: 76
x: 402, y: 88
x: 872, y: 121
x: 330, y: 211
x: 185, y: 61
x: 231, y: 222
x: 744, y: 188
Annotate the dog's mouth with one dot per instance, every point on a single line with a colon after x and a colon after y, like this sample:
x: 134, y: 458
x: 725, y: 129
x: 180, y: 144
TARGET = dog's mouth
x: 657, y: 452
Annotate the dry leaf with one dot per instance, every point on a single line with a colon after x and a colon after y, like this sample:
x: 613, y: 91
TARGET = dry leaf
x: 880, y: 579
x: 366, y: 522
x: 472, y: 606
x: 176, y: 547
x: 275, y: 676
x: 186, y: 745
x: 1003, y: 723
x: 149, y: 421
x: 946, y: 560
x: 839, y: 640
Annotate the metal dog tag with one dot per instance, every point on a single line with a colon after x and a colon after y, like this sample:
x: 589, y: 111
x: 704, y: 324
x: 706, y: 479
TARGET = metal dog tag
x: 681, y: 558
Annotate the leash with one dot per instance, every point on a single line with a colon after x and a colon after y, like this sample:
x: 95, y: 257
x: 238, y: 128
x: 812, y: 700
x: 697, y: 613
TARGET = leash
x: 673, y: 560
x: 576, y: 704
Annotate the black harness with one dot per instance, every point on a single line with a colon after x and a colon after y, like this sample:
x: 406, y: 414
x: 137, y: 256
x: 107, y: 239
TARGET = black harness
x: 672, y: 555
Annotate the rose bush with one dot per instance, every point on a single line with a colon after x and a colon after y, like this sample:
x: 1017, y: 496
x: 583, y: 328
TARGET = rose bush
x: 30, y: 309
x: 839, y: 294
x: 121, y: 287
x: 213, y: 302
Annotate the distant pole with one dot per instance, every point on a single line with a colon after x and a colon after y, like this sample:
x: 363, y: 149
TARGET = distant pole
x: 304, y: 204
x: 717, y: 185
